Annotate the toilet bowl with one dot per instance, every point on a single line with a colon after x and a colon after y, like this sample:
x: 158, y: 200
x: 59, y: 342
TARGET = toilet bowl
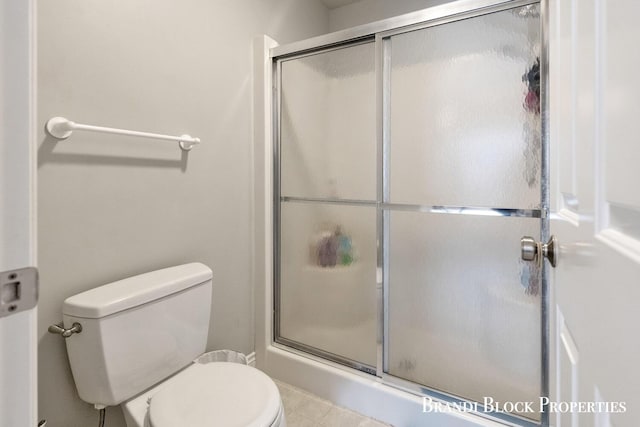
x: 213, y: 394
x: 139, y: 339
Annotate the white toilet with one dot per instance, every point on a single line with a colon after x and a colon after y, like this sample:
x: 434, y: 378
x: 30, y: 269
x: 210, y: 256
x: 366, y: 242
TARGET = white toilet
x: 139, y: 339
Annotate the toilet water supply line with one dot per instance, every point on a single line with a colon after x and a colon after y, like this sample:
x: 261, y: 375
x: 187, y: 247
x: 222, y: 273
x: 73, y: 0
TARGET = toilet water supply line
x: 103, y: 413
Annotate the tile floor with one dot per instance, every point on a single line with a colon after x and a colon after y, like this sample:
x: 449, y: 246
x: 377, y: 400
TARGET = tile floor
x: 303, y: 409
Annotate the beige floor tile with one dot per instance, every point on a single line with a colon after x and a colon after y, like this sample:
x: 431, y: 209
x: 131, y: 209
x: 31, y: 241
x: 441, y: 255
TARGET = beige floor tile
x: 339, y: 417
x: 313, y: 407
x: 303, y: 409
x: 291, y: 397
x: 368, y: 422
x: 296, y: 419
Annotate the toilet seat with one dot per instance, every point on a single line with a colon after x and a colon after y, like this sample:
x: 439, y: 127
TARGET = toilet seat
x: 216, y: 394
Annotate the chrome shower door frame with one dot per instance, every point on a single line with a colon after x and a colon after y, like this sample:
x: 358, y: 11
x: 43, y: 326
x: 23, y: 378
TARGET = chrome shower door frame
x: 380, y: 33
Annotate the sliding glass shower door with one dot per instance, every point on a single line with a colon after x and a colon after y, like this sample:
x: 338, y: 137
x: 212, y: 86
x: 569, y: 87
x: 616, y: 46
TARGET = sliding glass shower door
x: 464, y: 157
x: 327, y: 298
x: 409, y: 165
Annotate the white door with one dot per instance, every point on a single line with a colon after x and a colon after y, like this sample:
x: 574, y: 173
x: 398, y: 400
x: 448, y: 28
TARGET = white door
x: 595, y: 152
x: 18, y: 351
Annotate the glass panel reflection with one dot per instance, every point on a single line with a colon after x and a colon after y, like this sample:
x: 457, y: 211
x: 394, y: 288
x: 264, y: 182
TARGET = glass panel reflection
x: 328, y: 294
x: 464, y: 310
x: 465, y: 118
x: 328, y: 139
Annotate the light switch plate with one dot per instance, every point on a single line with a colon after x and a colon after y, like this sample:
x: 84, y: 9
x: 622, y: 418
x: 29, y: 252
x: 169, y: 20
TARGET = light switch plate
x: 18, y: 290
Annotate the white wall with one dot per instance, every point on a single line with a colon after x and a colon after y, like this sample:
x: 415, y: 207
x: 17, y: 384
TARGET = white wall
x: 366, y: 11
x: 111, y: 207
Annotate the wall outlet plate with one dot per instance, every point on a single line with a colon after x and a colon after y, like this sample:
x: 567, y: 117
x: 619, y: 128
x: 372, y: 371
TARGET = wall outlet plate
x: 18, y: 290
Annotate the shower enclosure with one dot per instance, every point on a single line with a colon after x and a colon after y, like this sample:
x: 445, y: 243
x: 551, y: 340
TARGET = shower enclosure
x: 409, y: 162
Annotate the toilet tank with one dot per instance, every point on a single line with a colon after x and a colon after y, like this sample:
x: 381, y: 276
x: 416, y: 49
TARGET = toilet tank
x: 137, y: 331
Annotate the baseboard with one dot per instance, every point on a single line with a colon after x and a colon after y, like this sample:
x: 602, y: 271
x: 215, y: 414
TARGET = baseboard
x: 251, y: 359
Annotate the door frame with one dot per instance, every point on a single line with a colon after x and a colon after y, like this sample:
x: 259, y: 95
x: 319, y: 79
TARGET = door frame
x: 18, y: 167
x: 379, y: 33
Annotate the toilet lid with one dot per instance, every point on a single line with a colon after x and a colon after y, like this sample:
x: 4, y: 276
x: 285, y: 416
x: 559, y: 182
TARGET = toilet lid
x: 216, y: 394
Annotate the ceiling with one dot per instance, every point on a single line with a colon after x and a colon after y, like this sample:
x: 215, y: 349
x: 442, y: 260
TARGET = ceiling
x: 332, y: 4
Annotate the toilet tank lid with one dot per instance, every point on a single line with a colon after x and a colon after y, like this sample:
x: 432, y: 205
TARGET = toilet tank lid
x: 135, y: 291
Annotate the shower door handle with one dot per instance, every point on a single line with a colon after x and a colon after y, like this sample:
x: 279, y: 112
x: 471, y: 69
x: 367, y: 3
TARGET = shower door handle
x: 532, y: 250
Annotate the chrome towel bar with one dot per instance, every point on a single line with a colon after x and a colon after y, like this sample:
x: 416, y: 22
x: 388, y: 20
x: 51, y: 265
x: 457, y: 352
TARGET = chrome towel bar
x: 61, y: 128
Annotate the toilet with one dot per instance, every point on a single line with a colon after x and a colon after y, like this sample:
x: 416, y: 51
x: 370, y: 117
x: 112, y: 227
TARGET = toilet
x: 138, y: 347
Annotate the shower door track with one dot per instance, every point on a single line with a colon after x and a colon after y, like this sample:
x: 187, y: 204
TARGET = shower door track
x: 379, y: 33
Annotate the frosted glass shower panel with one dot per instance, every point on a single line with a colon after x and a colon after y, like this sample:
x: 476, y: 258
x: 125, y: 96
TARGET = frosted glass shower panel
x: 327, y: 129
x: 465, y: 112
x: 328, y: 279
x: 464, y: 311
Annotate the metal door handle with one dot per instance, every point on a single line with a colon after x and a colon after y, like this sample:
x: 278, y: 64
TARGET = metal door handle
x: 532, y: 250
